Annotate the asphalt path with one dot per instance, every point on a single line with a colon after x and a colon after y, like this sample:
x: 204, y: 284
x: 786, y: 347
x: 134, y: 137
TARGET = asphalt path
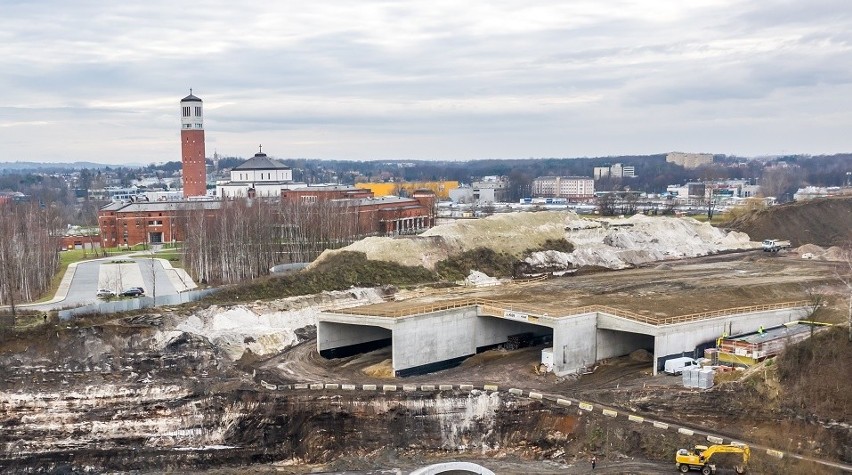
x: 88, y: 278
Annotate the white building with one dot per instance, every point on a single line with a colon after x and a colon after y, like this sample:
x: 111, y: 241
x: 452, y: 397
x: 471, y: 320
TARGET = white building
x: 257, y: 177
x: 616, y: 171
x: 579, y: 187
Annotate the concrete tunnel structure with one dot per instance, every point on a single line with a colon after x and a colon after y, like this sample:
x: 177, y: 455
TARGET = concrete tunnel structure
x: 430, y: 338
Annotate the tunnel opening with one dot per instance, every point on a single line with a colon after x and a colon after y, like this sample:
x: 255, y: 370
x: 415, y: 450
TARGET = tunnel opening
x: 615, y: 343
x: 340, y: 340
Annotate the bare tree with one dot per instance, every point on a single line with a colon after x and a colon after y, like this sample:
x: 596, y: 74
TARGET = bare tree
x: 815, y: 300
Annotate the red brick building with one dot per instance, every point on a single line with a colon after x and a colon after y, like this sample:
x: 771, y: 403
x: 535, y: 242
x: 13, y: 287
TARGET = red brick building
x: 385, y: 216
x: 192, y: 147
x: 147, y: 222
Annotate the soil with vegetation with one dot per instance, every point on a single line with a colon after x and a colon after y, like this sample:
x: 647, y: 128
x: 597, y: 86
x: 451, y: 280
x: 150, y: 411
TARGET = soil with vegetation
x: 824, y: 222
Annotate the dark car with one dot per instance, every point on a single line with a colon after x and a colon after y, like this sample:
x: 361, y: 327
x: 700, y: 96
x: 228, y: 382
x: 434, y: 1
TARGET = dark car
x: 133, y: 292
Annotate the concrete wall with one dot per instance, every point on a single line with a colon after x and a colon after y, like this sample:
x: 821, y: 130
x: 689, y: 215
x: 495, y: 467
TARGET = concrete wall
x: 435, y: 337
x: 674, y: 340
x: 611, y: 343
x: 332, y: 335
x: 574, y: 343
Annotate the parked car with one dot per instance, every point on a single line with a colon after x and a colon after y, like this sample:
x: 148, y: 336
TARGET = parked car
x: 677, y: 365
x: 133, y: 292
x: 105, y: 293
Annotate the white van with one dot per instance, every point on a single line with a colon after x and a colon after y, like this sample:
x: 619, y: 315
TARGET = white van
x: 677, y: 365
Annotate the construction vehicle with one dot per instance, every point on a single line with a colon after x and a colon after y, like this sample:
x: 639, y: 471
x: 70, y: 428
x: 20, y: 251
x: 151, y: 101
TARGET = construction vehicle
x: 774, y: 245
x: 699, y: 458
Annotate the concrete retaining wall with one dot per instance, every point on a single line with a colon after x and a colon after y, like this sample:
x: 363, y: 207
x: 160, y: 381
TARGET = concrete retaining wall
x: 125, y: 305
x: 574, y: 343
x: 430, y: 339
x: 674, y: 340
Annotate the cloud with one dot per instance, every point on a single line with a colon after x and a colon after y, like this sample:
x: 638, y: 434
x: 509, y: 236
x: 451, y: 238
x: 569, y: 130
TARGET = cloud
x: 389, y: 78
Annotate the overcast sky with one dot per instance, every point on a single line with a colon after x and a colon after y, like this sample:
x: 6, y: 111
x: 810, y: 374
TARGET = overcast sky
x: 101, y: 80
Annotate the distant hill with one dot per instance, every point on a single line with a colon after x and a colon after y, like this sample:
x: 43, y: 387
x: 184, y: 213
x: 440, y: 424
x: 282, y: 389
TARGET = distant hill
x: 41, y: 166
x: 824, y: 222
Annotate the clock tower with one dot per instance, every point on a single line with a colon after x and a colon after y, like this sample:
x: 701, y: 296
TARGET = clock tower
x: 192, y: 147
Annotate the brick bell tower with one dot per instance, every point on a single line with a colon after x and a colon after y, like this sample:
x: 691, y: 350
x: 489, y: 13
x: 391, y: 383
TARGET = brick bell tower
x: 192, y: 147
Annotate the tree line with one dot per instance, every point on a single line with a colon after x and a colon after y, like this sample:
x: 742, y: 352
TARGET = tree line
x: 28, y: 252
x: 245, y: 238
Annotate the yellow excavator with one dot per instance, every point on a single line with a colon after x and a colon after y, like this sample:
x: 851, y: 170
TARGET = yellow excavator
x: 699, y: 458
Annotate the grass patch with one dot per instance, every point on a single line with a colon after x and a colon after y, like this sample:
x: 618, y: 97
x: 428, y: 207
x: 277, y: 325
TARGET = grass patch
x: 561, y: 245
x: 340, y: 272
x: 481, y: 259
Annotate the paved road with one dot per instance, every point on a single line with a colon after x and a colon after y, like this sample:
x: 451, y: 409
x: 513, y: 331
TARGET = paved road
x: 104, y: 273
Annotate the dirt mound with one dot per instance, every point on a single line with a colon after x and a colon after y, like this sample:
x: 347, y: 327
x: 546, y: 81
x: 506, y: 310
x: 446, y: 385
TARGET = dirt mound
x: 642, y: 355
x: 824, y: 222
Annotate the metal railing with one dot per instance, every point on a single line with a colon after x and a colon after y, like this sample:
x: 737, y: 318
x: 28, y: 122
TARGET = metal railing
x: 498, y: 308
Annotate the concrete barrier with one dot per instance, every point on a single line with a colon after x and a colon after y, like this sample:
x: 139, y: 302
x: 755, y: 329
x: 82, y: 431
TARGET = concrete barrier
x: 586, y: 406
x: 270, y: 387
x: 409, y: 387
x: 775, y: 453
x: 609, y: 413
x: 282, y: 387
x: 715, y: 440
x: 369, y: 387
x: 316, y: 386
x: 332, y: 386
x: 300, y: 386
x: 535, y: 395
x: 661, y: 425
x: 685, y: 431
x: 445, y: 387
x: 427, y: 387
x: 633, y: 418
x: 563, y: 402
x: 347, y: 387
x: 466, y: 387
x: 490, y: 387
x: 515, y: 391
x: 389, y: 387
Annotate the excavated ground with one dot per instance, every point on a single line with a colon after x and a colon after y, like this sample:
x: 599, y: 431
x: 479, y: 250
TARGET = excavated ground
x: 113, y: 397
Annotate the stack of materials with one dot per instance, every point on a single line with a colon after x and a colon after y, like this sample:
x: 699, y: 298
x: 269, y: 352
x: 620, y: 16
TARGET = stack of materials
x: 690, y: 377
x: 705, y: 378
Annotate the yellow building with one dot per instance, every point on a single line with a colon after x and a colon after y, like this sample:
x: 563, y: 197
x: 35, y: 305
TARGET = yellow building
x: 440, y: 188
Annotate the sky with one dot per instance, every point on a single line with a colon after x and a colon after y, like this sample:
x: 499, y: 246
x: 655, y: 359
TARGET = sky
x: 101, y: 81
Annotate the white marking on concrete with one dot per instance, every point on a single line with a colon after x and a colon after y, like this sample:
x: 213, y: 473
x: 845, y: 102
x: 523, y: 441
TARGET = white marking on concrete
x: 563, y: 402
x: 633, y: 418
x: 715, y: 440
x: 515, y: 391
x: 661, y: 425
x: 609, y: 412
x: 775, y: 453
x: 347, y: 387
x: 445, y: 387
x: 332, y: 386
x: 427, y: 387
x: 466, y: 387
x: 685, y: 431
x: 409, y: 387
x: 490, y: 387
x: 369, y: 387
x: 586, y: 406
x: 300, y: 386
x: 389, y: 387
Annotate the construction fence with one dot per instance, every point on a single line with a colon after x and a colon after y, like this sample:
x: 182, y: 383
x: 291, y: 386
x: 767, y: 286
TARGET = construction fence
x: 136, y: 303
